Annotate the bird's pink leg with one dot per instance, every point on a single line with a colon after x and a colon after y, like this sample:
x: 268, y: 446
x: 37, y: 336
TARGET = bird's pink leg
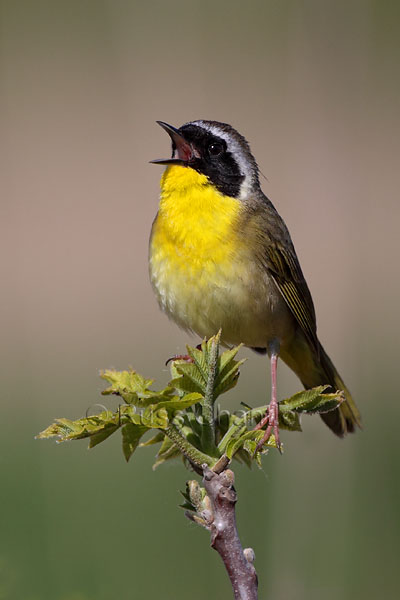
x: 271, y: 417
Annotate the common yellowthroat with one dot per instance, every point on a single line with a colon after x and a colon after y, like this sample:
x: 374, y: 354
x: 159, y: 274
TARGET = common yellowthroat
x: 221, y: 257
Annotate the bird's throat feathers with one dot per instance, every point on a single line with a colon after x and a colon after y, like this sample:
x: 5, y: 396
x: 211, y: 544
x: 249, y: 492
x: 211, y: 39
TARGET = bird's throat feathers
x: 193, y: 214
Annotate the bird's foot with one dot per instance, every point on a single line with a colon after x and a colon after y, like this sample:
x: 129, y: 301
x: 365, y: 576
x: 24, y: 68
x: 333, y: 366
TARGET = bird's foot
x: 184, y: 357
x: 271, y: 419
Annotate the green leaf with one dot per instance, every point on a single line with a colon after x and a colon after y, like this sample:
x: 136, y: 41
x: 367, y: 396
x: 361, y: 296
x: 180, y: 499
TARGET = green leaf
x: 242, y: 457
x: 131, y: 435
x: 200, y: 359
x: 193, y: 376
x: 56, y: 429
x: 203, y: 357
x: 178, y: 403
x: 155, y: 418
x: 312, y: 401
x: 156, y: 439
x: 228, y: 371
x: 248, y: 441
x: 190, y: 378
x: 193, y: 423
x: 133, y: 388
x: 233, y: 429
x: 101, y: 425
x: 289, y: 420
x: 102, y: 435
x: 167, y: 451
x: 227, y: 357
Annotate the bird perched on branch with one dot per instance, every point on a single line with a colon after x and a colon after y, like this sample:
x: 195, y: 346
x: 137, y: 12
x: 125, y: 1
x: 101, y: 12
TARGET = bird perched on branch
x: 221, y: 257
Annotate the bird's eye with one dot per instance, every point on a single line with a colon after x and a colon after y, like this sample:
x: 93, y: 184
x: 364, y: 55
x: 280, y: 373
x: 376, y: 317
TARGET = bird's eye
x: 215, y: 149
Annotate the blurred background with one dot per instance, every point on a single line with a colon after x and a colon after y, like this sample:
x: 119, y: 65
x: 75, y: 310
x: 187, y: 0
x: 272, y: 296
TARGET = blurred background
x: 314, y: 86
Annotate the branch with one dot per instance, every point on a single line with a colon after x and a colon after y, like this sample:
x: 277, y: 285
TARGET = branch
x: 208, y: 431
x: 195, y: 456
x: 224, y: 536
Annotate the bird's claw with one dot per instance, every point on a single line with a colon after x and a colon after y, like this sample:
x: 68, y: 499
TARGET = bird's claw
x: 271, y: 419
x: 184, y: 357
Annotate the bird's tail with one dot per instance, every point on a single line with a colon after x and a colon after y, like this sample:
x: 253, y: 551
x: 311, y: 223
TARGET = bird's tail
x: 346, y: 417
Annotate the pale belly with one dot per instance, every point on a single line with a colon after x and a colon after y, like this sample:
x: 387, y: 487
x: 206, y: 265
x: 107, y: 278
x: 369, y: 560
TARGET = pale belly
x: 234, y: 295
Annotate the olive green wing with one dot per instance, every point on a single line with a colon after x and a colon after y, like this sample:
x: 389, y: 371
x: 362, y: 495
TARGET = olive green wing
x: 283, y: 266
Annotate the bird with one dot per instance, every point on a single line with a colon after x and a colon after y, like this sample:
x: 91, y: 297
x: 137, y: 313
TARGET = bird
x: 222, y: 258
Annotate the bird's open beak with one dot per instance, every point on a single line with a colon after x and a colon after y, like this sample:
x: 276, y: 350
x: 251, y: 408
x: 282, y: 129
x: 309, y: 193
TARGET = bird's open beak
x: 182, y: 150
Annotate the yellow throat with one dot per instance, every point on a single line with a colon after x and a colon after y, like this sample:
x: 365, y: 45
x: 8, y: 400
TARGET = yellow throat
x: 193, y: 247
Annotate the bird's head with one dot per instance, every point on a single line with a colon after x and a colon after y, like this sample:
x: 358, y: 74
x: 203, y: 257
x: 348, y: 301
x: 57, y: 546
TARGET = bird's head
x: 217, y: 151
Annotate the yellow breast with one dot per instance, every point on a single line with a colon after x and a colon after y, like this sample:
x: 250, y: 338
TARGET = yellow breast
x: 194, y: 220
x: 194, y: 250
